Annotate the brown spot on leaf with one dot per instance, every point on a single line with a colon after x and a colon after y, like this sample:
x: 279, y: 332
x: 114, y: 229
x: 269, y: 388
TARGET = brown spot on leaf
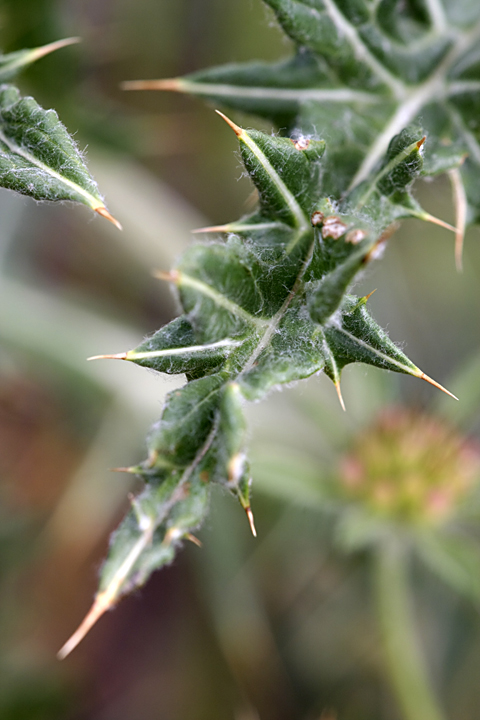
x: 355, y: 236
x: 301, y: 143
x: 333, y: 227
x: 317, y: 218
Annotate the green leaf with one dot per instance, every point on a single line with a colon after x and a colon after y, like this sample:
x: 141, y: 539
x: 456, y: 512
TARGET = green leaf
x: 39, y: 158
x: 267, y: 307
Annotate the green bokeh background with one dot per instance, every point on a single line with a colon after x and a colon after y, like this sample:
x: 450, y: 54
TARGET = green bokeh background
x: 273, y: 628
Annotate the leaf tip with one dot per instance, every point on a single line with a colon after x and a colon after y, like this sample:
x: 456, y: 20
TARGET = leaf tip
x: 117, y: 356
x: 340, y: 396
x: 422, y: 376
x: 212, y: 228
x: 421, y: 142
x: 427, y: 217
x: 363, y: 300
x: 251, y: 520
x: 193, y: 539
x: 104, y: 213
x: 169, y: 85
x: 40, y: 52
x: 101, y: 604
x: 237, y: 130
x: 168, y: 276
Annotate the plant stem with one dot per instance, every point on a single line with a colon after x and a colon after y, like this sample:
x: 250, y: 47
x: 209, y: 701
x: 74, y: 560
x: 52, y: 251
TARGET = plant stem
x: 405, y: 664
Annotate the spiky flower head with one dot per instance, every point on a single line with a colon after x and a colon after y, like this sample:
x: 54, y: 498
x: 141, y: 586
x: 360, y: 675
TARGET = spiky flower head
x: 411, y: 468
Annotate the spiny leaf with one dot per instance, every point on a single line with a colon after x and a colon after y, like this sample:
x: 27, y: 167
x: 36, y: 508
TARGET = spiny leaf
x: 268, y: 306
x: 39, y: 158
x: 361, y: 74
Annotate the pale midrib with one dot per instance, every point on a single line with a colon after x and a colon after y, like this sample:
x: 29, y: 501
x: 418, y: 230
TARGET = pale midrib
x: 385, y: 171
x: 361, y: 51
x: 402, y: 117
x: 301, y: 220
x: 172, y: 352
x: 433, y: 88
x: 462, y: 86
x: 152, y: 523
x: 470, y: 139
x: 379, y: 353
x: 20, y: 62
x: 219, y: 299
x: 93, y: 202
x: 243, y: 227
x: 331, y: 358
x: 201, y: 402
x: 270, y: 93
x: 437, y: 15
x: 276, y: 319
x: 12, y: 67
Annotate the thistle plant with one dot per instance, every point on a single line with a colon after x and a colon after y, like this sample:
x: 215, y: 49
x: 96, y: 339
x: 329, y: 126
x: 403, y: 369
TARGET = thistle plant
x: 376, y: 95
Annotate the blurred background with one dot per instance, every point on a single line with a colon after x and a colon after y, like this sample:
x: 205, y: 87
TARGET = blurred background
x: 278, y: 627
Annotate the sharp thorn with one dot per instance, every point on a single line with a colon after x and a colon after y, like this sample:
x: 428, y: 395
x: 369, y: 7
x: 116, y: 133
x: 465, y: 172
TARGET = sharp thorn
x: 118, y: 356
x: 422, y: 376
x: 459, y: 238
x: 367, y: 297
x: 340, y: 396
x: 104, y: 213
x: 461, y: 206
x: 169, y: 276
x: 251, y: 520
x: 193, y: 539
x: 237, y: 130
x: 102, y: 603
x: 51, y: 47
x: 212, y: 228
x: 420, y: 142
x: 436, y: 221
x: 171, y: 84
x: 131, y: 470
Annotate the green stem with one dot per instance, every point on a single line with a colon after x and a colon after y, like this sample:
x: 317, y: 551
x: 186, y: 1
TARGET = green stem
x: 405, y: 664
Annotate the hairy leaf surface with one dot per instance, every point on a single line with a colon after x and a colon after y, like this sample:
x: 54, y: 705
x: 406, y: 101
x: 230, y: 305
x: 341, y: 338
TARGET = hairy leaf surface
x: 362, y: 72
x: 267, y: 306
x: 377, y: 94
x: 38, y: 157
